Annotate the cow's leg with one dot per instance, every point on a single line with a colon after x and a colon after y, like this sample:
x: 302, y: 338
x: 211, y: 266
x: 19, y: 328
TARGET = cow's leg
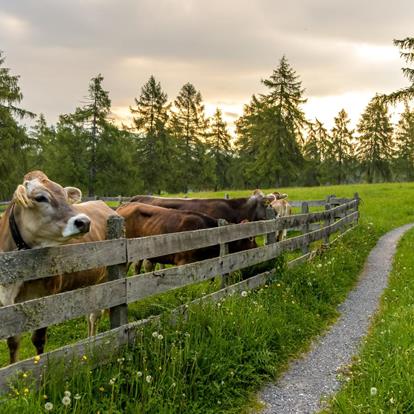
x: 93, y: 321
x: 13, y: 342
x: 39, y: 340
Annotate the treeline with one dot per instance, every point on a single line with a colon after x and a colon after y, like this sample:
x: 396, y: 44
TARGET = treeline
x: 173, y: 146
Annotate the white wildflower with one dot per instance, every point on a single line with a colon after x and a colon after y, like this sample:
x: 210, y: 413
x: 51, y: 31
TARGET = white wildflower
x: 244, y: 293
x: 48, y: 406
x: 373, y: 391
x: 160, y: 337
x: 139, y: 374
x: 66, y: 401
x: 67, y: 394
x: 155, y: 334
x: 77, y: 397
x: 112, y: 381
x: 148, y: 378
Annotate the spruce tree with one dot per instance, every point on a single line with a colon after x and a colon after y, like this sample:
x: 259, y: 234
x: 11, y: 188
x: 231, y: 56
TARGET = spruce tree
x: 220, y: 148
x: 375, y: 142
x: 14, y: 141
x: 154, y: 146
x: 404, y: 140
x: 189, y: 128
x: 341, y: 151
x: 406, y: 47
x: 272, y: 129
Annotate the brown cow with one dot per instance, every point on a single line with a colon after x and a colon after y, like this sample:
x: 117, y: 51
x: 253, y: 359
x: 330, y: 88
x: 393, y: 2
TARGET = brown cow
x: 41, y: 214
x: 234, y: 210
x: 282, y: 208
x: 147, y: 220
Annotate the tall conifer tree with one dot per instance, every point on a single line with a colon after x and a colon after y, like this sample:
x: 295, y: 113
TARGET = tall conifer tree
x: 375, y: 142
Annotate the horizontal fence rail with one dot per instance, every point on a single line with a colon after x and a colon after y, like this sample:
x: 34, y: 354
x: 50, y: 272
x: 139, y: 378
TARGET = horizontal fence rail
x: 29, y: 265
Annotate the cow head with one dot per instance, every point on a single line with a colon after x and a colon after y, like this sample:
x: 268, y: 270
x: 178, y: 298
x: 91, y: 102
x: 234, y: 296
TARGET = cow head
x: 260, y: 202
x: 43, y: 211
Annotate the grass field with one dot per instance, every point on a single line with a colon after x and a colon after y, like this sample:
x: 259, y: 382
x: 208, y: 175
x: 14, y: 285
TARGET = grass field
x: 231, y: 349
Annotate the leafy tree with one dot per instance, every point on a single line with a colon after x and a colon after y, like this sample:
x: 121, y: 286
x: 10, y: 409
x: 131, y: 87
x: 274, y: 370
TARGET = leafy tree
x: 220, y: 148
x: 404, y: 140
x: 341, y: 152
x: 14, y: 141
x: 153, y: 143
x: 375, y: 141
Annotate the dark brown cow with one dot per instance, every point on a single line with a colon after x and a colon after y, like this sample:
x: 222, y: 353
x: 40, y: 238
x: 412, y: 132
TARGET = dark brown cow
x: 234, y: 210
x: 147, y: 220
x: 41, y: 214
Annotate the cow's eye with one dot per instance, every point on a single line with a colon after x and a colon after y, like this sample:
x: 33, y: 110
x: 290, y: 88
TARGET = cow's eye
x: 41, y: 199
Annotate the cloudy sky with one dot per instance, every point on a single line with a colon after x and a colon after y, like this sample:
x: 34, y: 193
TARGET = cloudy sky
x: 342, y: 50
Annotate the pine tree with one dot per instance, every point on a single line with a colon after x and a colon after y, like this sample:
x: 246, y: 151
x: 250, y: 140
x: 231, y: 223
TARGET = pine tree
x: 189, y: 128
x: 14, y: 141
x: 375, y: 141
x: 220, y: 148
x: 271, y: 129
x: 404, y: 139
x: 153, y: 142
x: 341, y: 151
x: 406, y: 47
x: 313, y: 157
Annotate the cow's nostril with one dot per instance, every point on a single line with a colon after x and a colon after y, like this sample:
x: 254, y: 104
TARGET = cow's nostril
x: 82, y: 224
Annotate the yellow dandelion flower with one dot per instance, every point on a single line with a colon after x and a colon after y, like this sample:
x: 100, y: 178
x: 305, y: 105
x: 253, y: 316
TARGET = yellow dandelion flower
x: 102, y: 389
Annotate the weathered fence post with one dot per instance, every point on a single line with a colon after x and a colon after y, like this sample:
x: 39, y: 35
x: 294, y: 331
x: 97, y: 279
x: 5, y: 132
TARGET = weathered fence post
x: 119, y: 200
x: 224, y: 249
x: 270, y: 215
x: 118, y: 315
x: 226, y: 196
x: 326, y: 223
x: 356, y: 197
x: 305, y: 227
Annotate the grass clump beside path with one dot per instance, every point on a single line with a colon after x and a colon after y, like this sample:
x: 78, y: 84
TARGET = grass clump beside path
x: 213, y: 361
x: 382, y: 379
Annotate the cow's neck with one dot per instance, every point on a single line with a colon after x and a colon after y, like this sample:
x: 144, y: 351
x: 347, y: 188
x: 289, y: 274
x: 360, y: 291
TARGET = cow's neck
x: 245, y: 208
x: 10, y: 236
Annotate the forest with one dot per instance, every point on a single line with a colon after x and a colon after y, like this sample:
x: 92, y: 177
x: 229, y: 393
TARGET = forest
x: 172, y: 146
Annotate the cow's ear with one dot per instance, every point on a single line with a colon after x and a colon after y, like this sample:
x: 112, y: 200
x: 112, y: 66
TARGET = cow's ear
x: 73, y: 195
x: 281, y: 196
x: 21, y: 198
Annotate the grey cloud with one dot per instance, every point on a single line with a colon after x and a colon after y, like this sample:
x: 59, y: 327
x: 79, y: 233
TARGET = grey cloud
x: 224, y: 48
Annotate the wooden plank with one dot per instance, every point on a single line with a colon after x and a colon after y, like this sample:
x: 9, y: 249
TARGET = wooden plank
x: 153, y: 283
x: 224, y: 249
x: 49, y: 310
x: 118, y: 315
x: 270, y: 215
x: 153, y: 246
x: 305, y: 227
x: 50, y: 261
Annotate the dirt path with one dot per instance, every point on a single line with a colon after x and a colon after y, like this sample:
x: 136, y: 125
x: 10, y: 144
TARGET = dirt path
x: 314, y: 376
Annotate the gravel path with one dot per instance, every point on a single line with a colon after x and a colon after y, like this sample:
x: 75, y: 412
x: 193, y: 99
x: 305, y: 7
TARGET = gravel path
x: 314, y: 376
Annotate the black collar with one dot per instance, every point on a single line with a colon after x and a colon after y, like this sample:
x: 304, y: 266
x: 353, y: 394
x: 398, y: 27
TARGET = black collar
x: 17, y: 237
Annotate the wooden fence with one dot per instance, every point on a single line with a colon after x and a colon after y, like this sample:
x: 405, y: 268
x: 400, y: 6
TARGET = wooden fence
x: 120, y: 290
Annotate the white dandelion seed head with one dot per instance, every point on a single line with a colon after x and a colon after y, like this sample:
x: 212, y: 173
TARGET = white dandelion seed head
x: 67, y: 393
x: 148, y: 378
x: 155, y: 334
x: 160, y: 337
x: 48, y: 406
x: 77, y: 397
x: 139, y: 374
x: 244, y: 293
x: 66, y: 401
x: 374, y: 391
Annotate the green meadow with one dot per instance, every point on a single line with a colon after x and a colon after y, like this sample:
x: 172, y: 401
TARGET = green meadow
x: 215, y: 360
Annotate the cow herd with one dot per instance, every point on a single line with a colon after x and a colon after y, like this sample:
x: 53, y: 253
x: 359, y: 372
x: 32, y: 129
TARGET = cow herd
x: 42, y: 213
